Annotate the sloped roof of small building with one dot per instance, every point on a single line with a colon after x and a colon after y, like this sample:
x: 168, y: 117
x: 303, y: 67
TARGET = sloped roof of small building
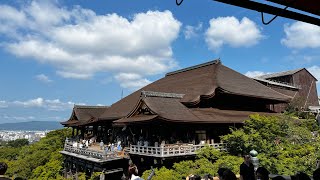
x: 283, y: 73
x: 82, y: 115
x: 196, y: 82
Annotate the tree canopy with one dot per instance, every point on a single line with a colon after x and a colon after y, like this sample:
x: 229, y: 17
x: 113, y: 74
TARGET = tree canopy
x: 39, y: 160
x: 285, y: 144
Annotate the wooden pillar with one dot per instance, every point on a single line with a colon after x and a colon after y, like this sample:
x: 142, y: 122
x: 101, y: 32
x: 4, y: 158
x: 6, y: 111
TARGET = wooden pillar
x: 77, y: 131
x: 95, y: 129
x: 72, y: 131
x: 82, y: 132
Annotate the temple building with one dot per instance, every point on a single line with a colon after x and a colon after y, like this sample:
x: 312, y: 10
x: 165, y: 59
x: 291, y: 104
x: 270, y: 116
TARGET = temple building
x: 300, y: 84
x: 173, y: 117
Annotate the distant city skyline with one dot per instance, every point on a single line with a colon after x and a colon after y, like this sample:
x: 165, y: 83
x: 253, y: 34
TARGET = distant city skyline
x: 55, y: 54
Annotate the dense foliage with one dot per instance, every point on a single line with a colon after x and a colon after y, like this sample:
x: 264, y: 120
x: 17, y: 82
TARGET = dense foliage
x: 208, y: 161
x: 40, y: 160
x: 285, y: 144
x: 17, y: 143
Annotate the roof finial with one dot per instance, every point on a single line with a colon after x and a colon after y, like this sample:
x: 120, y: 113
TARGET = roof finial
x: 217, y: 61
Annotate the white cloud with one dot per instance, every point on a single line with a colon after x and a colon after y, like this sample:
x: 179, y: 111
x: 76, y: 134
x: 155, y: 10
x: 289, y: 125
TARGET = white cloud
x: 80, y: 43
x: 3, y: 104
x: 192, y: 31
x: 43, y: 78
x: 301, y: 35
x: 18, y: 118
x: 38, y: 102
x: 231, y: 31
x: 315, y: 71
x: 51, y: 105
x: 131, y: 81
x: 10, y: 19
x: 255, y: 73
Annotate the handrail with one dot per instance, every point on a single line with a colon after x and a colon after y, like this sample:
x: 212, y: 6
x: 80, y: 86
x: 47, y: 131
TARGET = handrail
x: 91, y: 153
x: 172, y: 150
x: 162, y: 151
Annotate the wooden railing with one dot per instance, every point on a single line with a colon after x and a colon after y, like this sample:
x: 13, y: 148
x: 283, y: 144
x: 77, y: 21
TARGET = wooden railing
x: 92, y: 153
x: 171, y: 150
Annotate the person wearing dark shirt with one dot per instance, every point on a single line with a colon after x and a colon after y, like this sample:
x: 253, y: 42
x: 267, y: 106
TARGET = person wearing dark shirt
x: 316, y: 174
x: 3, y: 169
x: 247, y: 169
x: 228, y: 175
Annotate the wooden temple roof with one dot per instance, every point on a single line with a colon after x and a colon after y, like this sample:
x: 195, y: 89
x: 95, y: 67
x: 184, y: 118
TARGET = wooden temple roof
x: 194, y: 83
x: 172, y: 110
x: 83, y: 115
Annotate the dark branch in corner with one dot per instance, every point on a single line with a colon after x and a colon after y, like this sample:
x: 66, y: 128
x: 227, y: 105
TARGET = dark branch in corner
x: 179, y: 3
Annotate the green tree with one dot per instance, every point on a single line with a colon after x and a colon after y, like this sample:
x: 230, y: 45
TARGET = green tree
x: 285, y: 144
x: 161, y: 174
x: 41, y: 159
x: 18, y: 143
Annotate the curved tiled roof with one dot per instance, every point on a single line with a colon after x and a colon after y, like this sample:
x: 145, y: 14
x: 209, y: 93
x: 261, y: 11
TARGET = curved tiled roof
x: 82, y: 115
x: 196, y: 82
x: 172, y: 110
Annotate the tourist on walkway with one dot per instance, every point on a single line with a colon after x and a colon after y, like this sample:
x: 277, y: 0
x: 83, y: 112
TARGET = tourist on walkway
x: 247, y: 169
x: 119, y: 148
x: 3, y: 169
x: 112, y: 147
x: 87, y: 143
x: 101, y: 145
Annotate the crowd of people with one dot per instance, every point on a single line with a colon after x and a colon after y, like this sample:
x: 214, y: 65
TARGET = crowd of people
x: 84, y: 143
x: 111, y: 147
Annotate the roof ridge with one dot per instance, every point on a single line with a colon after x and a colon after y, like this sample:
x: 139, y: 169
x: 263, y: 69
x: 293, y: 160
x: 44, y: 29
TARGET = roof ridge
x: 161, y: 94
x: 217, y: 61
x: 87, y: 106
x: 281, y: 73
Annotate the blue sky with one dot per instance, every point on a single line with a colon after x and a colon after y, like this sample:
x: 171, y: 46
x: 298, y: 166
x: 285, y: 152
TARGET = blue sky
x: 55, y: 54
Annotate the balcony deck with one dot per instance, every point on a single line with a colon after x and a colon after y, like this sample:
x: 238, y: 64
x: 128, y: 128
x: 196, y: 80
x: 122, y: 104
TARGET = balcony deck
x: 94, y: 154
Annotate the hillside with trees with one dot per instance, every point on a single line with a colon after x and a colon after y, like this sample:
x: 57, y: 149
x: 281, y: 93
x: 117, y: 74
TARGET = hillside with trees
x: 40, y: 160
